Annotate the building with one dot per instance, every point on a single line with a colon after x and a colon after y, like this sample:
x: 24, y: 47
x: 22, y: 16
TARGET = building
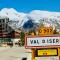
x: 7, y: 34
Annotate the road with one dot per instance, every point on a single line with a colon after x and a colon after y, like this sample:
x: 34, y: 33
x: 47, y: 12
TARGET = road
x: 17, y: 53
x: 14, y: 53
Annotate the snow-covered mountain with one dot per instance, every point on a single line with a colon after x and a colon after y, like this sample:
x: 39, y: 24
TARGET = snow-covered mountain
x: 36, y: 16
x: 13, y: 15
x: 46, y: 17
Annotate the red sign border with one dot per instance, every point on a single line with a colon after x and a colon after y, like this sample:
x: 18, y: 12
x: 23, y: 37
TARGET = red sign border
x: 52, y: 46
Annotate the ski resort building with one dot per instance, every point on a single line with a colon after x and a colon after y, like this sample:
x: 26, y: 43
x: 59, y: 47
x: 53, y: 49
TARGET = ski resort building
x: 7, y: 34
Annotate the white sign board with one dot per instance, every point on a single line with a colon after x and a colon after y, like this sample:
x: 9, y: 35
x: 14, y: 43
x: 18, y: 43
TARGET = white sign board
x: 47, y: 58
x: 42, y: 41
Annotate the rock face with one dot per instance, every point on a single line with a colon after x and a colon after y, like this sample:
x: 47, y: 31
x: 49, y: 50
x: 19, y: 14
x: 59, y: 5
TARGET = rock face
x: 28, y: 24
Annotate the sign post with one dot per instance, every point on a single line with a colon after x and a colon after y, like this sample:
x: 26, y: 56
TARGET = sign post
x: 33, y: 50
x: 45, y: 44
x: 33, y: 54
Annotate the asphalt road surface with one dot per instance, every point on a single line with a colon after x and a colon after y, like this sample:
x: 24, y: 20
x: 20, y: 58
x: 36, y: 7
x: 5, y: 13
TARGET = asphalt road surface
x: 17, y: 53
x: 14, y: 53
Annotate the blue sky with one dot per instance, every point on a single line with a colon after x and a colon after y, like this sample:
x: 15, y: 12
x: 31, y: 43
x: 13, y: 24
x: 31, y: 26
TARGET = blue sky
x: 29, y: 5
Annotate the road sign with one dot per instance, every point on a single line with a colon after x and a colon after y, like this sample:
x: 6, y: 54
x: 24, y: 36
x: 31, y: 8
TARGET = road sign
x: 47, y: 58
x: 46, y: 52
x: 45, y: 31
x: 42, y: 41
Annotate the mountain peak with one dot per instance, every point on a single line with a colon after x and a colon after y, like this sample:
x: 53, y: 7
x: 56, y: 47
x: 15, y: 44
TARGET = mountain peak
x: 8, y: 9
